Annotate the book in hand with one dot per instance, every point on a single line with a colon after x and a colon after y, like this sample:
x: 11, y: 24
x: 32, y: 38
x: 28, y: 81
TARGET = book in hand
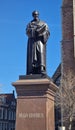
x: 41, y: 29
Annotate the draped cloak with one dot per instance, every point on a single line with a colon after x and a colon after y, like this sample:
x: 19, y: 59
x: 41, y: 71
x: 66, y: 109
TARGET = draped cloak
x: 38, y: 34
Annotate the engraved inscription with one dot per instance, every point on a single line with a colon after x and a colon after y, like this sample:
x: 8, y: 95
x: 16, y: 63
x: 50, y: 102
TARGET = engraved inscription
x: 31, y: 115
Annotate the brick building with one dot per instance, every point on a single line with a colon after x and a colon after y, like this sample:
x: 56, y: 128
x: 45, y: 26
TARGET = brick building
x: 67, y: 45
x: 67, y: 67
x: 7, y: 111
x: 68, y: 41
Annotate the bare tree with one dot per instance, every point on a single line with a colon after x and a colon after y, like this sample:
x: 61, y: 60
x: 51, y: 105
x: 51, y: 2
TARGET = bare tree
x: 65, y: 100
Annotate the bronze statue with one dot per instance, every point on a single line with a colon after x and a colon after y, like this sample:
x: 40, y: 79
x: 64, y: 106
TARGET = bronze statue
x: 38, y: 33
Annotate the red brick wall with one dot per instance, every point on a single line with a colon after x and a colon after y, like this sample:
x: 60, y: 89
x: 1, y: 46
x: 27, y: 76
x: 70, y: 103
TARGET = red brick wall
x: 67, y: 45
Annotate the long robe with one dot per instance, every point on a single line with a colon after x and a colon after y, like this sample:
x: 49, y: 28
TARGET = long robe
x: 38, y: 34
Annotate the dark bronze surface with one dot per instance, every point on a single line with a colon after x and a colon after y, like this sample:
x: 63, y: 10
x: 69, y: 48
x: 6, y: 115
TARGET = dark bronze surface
x: 38, y: 33
x: 34, y: 76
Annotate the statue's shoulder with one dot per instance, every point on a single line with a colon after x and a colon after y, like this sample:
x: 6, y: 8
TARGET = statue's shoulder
x: 43, y: 23
x: 29, y: 23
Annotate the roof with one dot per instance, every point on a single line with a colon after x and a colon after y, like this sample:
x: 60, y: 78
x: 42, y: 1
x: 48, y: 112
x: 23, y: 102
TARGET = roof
x: 57, y: 73
x: 8, y: 98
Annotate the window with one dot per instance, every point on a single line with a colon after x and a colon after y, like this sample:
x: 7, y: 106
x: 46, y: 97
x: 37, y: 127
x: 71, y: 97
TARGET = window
x: 9, y: 115
x: 1, y: 113
x: 5, y: 113
x: 0, y: 125
x: 3, y: 99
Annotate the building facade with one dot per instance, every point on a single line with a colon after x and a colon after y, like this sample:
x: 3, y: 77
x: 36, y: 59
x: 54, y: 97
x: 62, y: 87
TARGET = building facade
x: 65, y: 73
x: 7, y: 111
x: 68, y: 43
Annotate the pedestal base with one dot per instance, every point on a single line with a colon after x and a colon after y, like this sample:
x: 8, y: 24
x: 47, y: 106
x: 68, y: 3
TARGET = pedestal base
x: 35, y: 104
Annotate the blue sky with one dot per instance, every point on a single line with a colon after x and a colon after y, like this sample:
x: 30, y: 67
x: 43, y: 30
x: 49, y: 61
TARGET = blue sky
x: 14, y: 16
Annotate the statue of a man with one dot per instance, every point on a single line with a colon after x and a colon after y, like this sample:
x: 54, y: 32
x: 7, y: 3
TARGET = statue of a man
x: 38, y: 33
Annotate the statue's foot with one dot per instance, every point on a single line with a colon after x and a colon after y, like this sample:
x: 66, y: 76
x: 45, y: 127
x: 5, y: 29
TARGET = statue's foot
x: 43, y: 70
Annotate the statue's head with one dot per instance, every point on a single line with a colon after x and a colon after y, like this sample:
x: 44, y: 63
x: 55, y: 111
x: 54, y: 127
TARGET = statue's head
x: 35, y: 14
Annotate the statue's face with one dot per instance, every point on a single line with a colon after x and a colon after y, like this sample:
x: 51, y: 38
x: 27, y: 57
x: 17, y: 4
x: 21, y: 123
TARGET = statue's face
x: 36, y: 16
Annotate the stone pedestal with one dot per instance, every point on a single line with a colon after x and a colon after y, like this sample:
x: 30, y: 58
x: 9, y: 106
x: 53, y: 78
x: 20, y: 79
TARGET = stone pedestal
x: 35, y: 104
